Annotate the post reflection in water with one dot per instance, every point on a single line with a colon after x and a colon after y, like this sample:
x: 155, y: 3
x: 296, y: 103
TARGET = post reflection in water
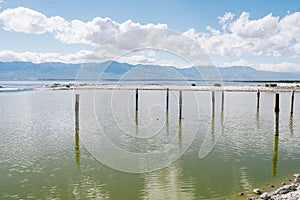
x: 180, y: 135
x: 275, y: 156
x: 167, y: 121
x: 169, y: 183
x: 77, y: 148
x: 291, y: 125
x: 136, y: 122
x: 257, y: 118
x: 212, y: 129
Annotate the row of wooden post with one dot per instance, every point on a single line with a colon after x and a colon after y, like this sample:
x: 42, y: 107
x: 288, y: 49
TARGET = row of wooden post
x: 276, y: 106
x: 276, y: 124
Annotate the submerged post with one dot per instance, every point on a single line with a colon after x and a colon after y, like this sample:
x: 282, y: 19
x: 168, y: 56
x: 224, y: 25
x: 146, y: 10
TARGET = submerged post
x: 276, y: 127
x: 136, y: 99
x: 180, y: 104
x: 258, y: 98
x: 292, y: 102
x: 77, y: 112
x: 213, y: 103
x: 222, y: 105
x: 167, y: 100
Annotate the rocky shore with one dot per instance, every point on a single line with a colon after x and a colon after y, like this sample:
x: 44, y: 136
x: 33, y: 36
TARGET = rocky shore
x: 286, y: 192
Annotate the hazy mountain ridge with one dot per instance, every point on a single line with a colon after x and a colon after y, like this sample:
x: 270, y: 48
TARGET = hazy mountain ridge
x: 116, y: 70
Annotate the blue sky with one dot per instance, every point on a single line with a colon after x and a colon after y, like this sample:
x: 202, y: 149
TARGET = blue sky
x: 259, y: 33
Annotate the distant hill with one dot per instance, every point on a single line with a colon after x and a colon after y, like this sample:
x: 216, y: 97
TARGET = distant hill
x: 116, y: 70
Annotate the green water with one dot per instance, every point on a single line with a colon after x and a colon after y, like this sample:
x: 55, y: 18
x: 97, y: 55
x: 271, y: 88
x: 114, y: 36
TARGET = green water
x: 41, y: 156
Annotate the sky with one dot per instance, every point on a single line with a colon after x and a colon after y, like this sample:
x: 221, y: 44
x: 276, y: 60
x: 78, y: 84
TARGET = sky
x: 264, y: 34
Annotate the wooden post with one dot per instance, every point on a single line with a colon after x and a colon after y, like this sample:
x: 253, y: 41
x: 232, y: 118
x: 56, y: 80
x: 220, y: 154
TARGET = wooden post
x: 292, y: 102
x: 276, y: 109
x: 136, y: 99
x: 180, y: 104
x: 276, y: 132
x: 258, y: 98
x: 167, y: 100
x: 213, y: 103
x: 222, y: 105
x: 77, y: 112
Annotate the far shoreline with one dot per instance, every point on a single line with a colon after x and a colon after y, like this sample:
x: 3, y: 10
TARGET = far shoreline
x: 276, y: 87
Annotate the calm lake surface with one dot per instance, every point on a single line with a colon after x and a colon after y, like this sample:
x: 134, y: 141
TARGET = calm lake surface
x: 41, y: 156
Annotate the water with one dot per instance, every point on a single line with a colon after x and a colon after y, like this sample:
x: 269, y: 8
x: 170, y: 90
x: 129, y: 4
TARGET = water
x: 41, y: 157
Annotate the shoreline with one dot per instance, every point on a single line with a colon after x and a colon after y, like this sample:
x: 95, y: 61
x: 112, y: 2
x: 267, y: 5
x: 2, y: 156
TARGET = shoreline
x: 280, y: 87
x: 287, y: 190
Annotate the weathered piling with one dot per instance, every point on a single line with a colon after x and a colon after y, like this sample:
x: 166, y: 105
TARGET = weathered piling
x: 137, y: 99
x: 77, y: 112
x: 276, y: 103
x: 213, y: 103
x: 257, y: 99
x: 222, y: 104
x: 180, y: 104
x: 292, y: 102
x: 167, y: 99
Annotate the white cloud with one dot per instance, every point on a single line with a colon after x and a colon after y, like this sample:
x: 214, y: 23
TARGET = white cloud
x: 70, y: 32
x: 24, y: 20
x: 237, y: 36
x: 78, y: 57
x: 224, y: 21
x: 240, y: 62
x: 267, y: 36
x: 280, y: 67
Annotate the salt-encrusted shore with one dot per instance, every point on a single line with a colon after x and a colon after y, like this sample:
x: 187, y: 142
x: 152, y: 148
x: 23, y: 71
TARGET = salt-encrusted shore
x: 281, y: 87
x: 12, y: 89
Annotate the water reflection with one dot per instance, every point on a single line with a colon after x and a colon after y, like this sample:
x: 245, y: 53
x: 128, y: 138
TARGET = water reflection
x: 180, y: 135
x: 291, y: 124
x: 136, y: 122
x: 257, y: 118
x: 167, y: 122
x: 77, y: 149
x: 168, y: 183
x: 275, y: 156
x: 212, y: 129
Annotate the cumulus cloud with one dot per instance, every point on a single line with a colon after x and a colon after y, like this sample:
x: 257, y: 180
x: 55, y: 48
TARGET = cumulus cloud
x: 226, y: 19
x: 236, y: 36
x: 70, y: 32
x: 279, y: 67
x: 35, y: 57
x: 268, y: 36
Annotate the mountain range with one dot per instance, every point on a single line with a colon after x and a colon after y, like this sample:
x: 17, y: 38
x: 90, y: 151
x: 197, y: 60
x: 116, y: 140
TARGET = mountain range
x: 125, y: 71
